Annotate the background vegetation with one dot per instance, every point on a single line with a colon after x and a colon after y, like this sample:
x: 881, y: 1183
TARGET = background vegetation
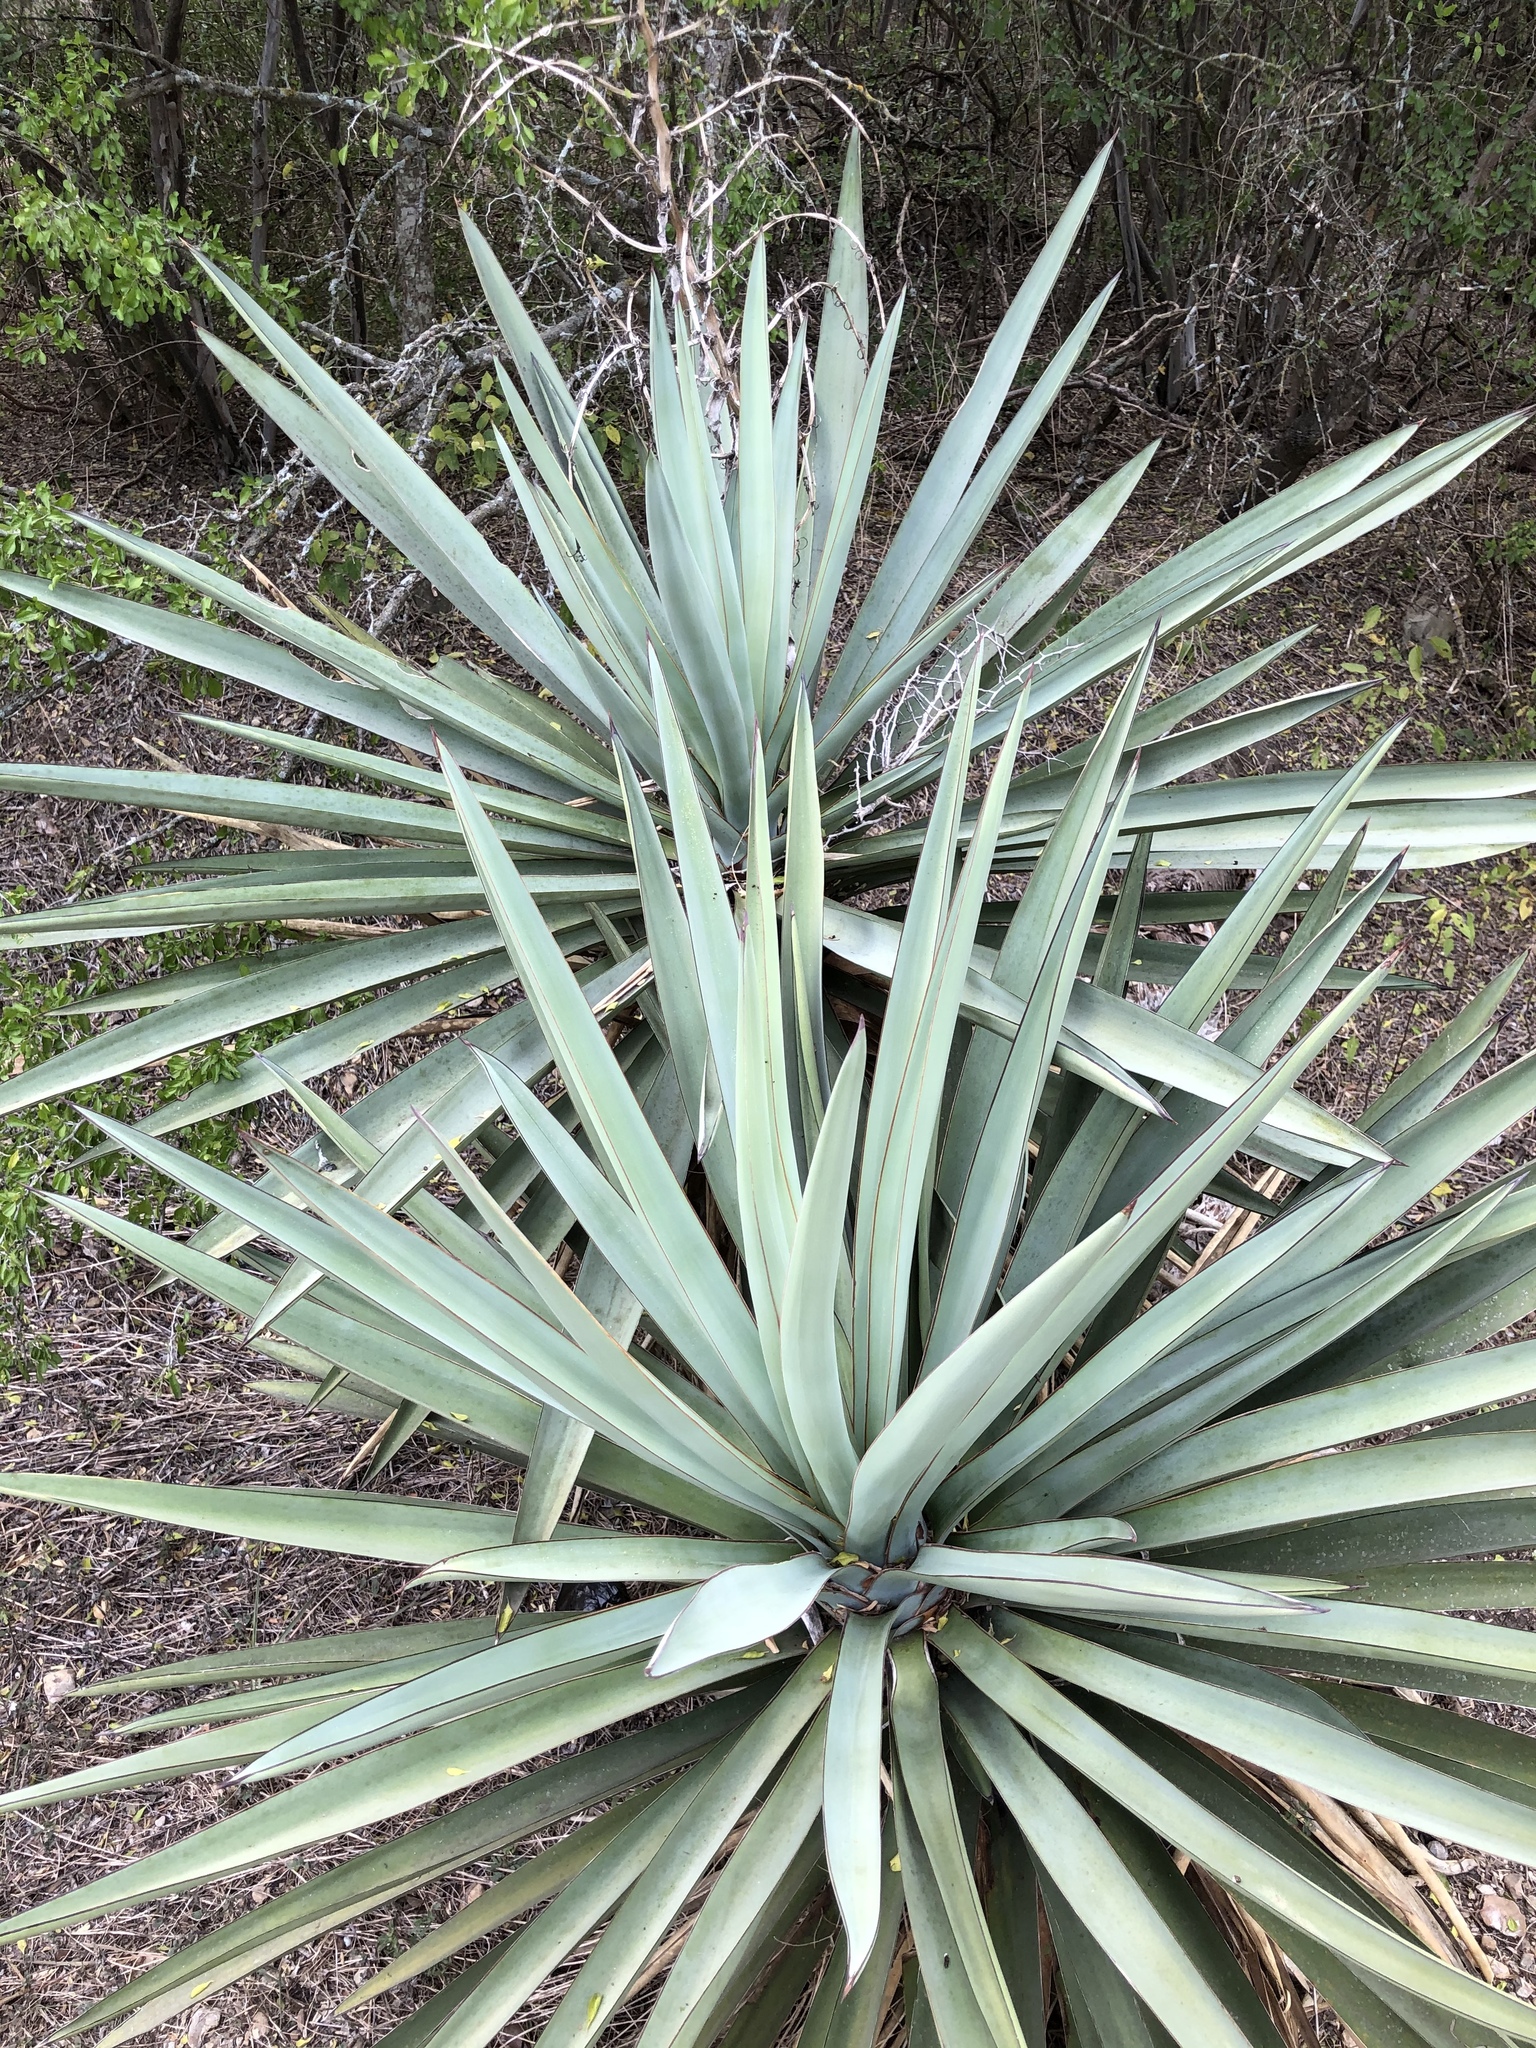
x: 1317, y: 210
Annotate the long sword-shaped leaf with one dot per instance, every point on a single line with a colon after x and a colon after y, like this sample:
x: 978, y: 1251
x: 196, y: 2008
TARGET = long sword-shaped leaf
x: 768, y: 1171
x: 444, y: 1299
x: 602, y: 1984
x: 614, y: 1385
x: 536, y: 1879
x: 838, y: 2017
x: 1232, y: 1860
x: 1118, y: 1030
x: 919, y: 1738
x: 943, y: 2008
x: 840, y: 499
x: 780, y: 1836
x: 981, y: 1177
x: 1295, y: 1744
x: 1192, y: 1386
x: 942, y: 488
x: 367, y: 466
x: 960, y: 1399
x: 867, y: 676
x: 473, y: 2009
x: 311, y: 1518
x: 682, y: 1000
x: 1119, y: 1586
x: 678, y: 1290
x: 1292, y: 1429
x: 483, y: 1827
x: 1100, y: 1889
x: 1417, y: 1472
x: 559, y: 414
x: 905, y: 1098
x: 623, y: 1142
x: 270, y: 990
x: 493, y: 1411
x: 758, y: 513
x: 851, y: 1799
x: 652, y: 1560
x: 424, y: 1768
x: 481, y: 1680
x: 214, y: 1749
x: 710, y: 922
x: 813, y: 1385
x: 842, y: 349
x: 533, y: 821
x: 236, y: 796
x: 372, y: 689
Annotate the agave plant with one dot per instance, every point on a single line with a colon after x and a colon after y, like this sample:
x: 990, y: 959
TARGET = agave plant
x: 1013, y: 1649
x: 998, y: 1612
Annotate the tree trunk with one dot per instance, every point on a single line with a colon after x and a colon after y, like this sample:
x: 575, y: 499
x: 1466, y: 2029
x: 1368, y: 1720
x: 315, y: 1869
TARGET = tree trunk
x: 328, y: 121
x: 167, y: 155
x: 261, y: 176
x: 346, y: 210
x: 417, y: 295
x: 261, y: 148
x: 1129, y: 240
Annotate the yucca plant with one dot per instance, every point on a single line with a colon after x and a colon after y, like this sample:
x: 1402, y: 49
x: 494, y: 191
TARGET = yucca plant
x: 1015, y: 1617
x: 1010, y: 1632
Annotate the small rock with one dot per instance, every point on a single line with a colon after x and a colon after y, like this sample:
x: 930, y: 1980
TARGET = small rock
x: 1499, y: 1971
x: 1438, y: 1850
x: 202, y: 2023
x: 1503, y: 1916
x: 57, y: 1683
x: 1425, y: 624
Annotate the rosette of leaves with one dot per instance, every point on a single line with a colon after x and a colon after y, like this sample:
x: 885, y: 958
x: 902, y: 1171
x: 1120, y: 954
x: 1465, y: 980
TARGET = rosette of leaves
x: 998, y: 1644
x: 979, y: 1551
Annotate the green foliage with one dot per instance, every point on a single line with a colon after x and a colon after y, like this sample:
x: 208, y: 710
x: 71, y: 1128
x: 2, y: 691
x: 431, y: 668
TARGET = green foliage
x: 73, y: 212
x: 42, y: 647
x: 74, y: 217
x: 411, y: 52
x: 465, y: 432
x: 846, y: 1257
x: 343, y: 556
x: 37, y: 533
x: 1344, y: 206
x: 1515, y: 548
x: 1450, y: 928
x: 1451, y: 116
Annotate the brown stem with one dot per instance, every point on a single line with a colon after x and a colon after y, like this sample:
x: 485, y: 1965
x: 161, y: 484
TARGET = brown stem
x: 1414, y: 1854
x: 1360, y: 1855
